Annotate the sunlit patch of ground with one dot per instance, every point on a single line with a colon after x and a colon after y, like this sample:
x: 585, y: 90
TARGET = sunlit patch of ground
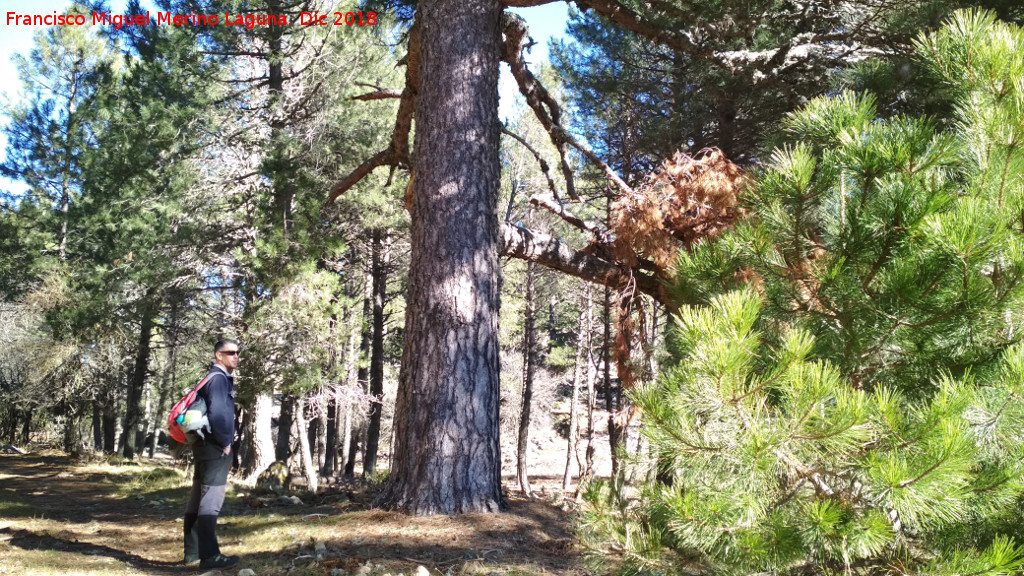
x: 103, y: 518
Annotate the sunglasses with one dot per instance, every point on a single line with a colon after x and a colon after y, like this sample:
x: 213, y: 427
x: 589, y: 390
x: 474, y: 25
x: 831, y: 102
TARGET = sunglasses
x: 230, y: 352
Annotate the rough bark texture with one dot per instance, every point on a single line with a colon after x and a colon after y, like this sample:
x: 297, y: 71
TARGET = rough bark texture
x: 447, y: 457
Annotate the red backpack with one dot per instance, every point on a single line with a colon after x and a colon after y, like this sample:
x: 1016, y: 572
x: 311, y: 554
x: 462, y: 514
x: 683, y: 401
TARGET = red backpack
x: 177, y: 415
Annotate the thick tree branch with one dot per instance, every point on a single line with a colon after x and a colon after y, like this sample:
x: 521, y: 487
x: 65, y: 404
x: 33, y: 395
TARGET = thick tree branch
x: 761, y: 64
x: 545, y: 107
x: 407, y: 106
x: 397, y: 154
x: 537, y: 97
x: 378, y: 95
x: 382, y: 158
x: 518, y: 242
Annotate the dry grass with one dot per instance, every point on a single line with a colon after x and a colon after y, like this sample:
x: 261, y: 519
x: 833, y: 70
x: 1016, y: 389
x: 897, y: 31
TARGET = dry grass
x: 104, y: 518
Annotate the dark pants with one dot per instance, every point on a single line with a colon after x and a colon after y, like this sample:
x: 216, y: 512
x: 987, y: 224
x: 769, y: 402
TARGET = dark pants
x: 204, y: 502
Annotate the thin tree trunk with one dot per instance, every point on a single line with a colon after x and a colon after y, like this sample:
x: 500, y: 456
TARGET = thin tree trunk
x: 588, y: 470
x: 256, y: 429
x: 26, y: 426
x: 446, y: 454
x: 363, y: 373
x: 353, y: 443
x: 147, y: 408
x: 529, y: 370
x: 97, y: 426
x: 331, y: 438
x: 316, y: 450
x: 312, y: 480
x: 577, y: 371
x: 346, y: 457
x: 164, y: 394
x: 378, y: 272
x: 133, y: 408
x: 284, y: 429
x: 72, y: 434
x: 109, y: 428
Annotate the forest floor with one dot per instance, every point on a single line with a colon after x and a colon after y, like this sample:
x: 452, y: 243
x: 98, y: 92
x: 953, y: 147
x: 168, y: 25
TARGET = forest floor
x: 106, y: 518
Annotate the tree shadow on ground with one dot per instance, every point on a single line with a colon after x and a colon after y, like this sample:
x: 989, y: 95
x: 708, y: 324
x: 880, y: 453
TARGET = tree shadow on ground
x: 28, y: 540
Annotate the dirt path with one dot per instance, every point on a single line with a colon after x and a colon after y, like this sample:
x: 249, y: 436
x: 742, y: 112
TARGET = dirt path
x: 99, y: 519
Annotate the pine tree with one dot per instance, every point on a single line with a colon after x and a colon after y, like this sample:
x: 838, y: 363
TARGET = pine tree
x: 857, y: 407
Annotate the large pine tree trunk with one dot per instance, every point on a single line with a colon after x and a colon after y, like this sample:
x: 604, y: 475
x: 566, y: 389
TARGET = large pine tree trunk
x: 133, y: 403
x: 378, y: 272
x: 529, y: 370
x: 446, y: 454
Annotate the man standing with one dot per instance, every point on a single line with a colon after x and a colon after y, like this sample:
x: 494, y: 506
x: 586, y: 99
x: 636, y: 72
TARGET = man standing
x: 212, y: 462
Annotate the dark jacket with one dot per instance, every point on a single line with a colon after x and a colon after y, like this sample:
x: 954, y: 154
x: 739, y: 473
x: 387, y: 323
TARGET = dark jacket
x: 219, y: 395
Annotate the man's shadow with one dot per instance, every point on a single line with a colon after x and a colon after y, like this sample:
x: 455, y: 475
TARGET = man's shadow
x: 28, y: 540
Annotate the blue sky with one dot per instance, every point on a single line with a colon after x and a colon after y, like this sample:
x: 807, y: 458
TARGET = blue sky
x: 545, y: 22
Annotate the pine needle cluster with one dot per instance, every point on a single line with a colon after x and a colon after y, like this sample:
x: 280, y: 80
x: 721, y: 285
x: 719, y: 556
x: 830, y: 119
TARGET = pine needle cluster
x: 846, y: 392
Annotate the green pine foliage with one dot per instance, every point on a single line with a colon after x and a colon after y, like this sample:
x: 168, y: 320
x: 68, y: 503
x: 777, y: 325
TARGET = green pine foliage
x: 766, y: 458
x: 845, y: 391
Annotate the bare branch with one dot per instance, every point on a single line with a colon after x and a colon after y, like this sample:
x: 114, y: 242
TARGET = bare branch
x: 397, y: 154
x: 556, y: 208
x: 545, y: 107
x: 537, y: 97
x: 543, y: 164
x: 528, y: 3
